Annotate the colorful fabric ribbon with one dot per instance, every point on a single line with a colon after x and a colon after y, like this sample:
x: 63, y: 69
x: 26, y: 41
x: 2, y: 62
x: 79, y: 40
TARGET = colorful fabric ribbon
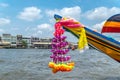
x: 75, y: 27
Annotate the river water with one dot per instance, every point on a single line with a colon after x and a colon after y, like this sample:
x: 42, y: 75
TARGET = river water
x: 32, y: 64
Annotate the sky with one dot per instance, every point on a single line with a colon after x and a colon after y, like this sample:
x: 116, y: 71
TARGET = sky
x: 36, y: 17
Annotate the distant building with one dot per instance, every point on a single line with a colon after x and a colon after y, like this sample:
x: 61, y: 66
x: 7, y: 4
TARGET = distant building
x: 19, y: 41
x: 0, y: 38
x: 28, y: 41
x: 45, y: 40
x: 13, y: 41
x: 6, y: 37
x: 43, y: 43
x: 34, y: 39
x: 5, y: 41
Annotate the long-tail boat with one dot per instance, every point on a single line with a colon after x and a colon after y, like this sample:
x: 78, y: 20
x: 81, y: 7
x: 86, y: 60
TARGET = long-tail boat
x: 99, y: 41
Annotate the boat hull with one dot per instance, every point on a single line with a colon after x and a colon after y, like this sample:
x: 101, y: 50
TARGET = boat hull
x: 104, y: 44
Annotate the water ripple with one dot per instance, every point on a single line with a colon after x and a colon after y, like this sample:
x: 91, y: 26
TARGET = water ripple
x: 32, y: 64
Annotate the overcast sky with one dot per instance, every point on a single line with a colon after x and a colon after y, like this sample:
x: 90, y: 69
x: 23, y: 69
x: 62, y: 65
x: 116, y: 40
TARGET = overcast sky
x: 36, y: 17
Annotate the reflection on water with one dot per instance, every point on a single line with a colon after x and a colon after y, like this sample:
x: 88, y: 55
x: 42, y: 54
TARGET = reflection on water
x: 31, y: 64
